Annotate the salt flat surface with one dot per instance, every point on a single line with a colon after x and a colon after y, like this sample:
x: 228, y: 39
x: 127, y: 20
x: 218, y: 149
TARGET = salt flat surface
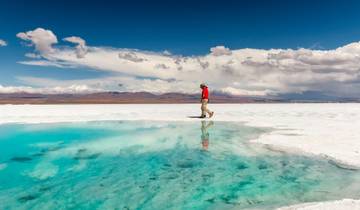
x: 327, y: 130
x: 345, y: 204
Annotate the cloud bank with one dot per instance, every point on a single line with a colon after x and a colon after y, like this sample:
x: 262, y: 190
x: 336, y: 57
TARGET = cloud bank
x: 239, y: 72
x: 75, y: 89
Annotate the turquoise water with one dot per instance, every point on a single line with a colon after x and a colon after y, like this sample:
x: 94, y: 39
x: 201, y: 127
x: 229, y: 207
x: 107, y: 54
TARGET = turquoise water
x: 157, y: 165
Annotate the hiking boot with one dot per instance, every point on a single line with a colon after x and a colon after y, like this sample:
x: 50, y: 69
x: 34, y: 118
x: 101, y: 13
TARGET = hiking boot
x: 211, y: 114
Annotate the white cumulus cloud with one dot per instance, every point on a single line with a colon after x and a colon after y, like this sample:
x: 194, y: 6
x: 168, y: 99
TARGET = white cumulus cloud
x: 220, y: 50
x: 75, y: 89
x: 81, y: 48
x: 3, y: 43
x: 238, y: 72
x: 42, y: 39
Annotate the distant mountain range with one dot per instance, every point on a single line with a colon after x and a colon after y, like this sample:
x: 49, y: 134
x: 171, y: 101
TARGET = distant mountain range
x: 119, y: 98
x: 148, y: 98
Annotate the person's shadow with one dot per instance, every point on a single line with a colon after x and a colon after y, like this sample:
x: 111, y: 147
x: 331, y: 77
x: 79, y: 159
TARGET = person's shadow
x: 205, y: 136
x: 197, y: 117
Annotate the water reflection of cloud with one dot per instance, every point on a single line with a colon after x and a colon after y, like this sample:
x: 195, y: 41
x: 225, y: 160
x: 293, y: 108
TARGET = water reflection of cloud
x: 3, y: 166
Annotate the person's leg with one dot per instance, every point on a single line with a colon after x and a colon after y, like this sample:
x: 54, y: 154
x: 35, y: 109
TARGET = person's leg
x: 208, y: 110
x: 203, y: 108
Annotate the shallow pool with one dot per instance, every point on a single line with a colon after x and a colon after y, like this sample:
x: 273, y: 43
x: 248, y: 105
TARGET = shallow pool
x: 158, y: 165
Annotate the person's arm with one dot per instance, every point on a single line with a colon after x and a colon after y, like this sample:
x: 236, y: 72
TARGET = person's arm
x: 206, y: 94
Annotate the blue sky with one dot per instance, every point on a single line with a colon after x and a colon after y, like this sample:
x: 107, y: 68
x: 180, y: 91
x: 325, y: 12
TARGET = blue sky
x: 184, y: 28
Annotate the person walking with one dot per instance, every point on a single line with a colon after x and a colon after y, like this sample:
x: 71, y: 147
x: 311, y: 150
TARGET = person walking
x: 205, y: 101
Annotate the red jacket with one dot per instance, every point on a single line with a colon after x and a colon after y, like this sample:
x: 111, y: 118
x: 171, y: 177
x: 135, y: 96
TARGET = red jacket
x: 205, y: 93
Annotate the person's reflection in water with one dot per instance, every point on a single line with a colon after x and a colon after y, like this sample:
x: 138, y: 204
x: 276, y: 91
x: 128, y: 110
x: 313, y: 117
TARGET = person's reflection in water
x: 205, y: 134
